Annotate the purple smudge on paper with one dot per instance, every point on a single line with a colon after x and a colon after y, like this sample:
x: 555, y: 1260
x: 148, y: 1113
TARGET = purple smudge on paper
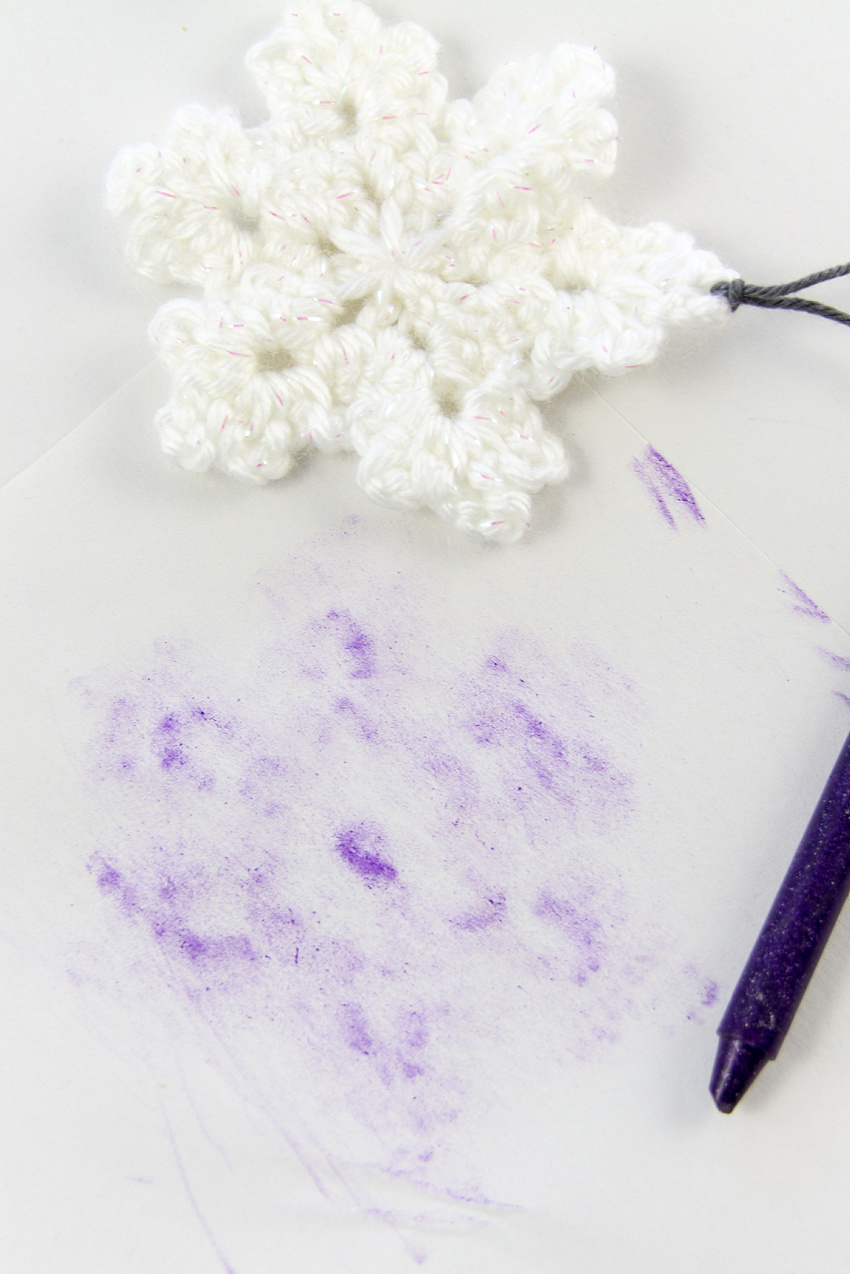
x: 489, y: 912
x: 582, y: 928
x: 839, y: 661
x: 671, y: 493
x: 351, y: 844
x: 802, y: 603
x: 710, y: 993
x: 707, y: 992
x: 375, y: 862
x: 356, y: 643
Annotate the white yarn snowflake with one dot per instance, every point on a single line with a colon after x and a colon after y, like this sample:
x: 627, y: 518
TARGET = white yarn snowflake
x: 395, y: 274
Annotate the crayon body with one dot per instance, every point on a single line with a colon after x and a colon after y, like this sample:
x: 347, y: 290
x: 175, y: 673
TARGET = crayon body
x: 789, y: 945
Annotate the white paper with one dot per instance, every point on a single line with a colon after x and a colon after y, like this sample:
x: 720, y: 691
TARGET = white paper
x: 369, y: 899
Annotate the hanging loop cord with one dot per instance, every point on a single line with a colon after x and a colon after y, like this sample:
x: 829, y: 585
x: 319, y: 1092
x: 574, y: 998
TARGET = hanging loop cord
x: 778, y: 296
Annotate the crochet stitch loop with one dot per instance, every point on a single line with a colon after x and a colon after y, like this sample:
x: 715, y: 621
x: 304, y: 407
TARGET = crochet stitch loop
x: 387, y: 272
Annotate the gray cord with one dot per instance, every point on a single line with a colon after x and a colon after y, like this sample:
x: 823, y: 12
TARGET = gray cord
x: 777, y: 296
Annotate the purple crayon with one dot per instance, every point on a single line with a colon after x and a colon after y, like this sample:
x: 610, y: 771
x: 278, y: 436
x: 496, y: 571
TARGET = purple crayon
x: 789, y: 946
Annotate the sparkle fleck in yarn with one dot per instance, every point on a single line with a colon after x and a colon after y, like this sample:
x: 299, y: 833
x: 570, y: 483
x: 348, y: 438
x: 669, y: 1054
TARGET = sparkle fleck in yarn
x: 387, y: 272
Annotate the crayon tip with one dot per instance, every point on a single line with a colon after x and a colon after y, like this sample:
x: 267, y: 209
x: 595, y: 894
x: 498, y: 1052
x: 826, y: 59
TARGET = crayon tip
x: 735, y: 1068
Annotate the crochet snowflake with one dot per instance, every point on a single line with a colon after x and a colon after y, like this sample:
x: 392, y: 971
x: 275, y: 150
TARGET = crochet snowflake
x: 395, y: 274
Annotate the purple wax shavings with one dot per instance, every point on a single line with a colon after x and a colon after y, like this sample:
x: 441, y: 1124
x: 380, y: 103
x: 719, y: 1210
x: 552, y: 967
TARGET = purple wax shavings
x: 672, y: 495
x: 802, y: 603
x: 374, y: 863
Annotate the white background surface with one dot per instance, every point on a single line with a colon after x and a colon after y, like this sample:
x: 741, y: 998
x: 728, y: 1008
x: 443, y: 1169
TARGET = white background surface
x: 732, y: 125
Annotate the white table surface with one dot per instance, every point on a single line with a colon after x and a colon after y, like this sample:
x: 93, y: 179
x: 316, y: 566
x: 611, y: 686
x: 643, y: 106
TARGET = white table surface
x: 145, y: 1134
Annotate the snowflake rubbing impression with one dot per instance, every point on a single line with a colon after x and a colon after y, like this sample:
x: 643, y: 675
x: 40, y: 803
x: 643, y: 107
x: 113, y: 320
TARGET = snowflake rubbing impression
x: 390, y: 273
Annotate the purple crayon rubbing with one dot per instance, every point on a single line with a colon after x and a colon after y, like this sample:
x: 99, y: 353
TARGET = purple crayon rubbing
x: 789, y: 946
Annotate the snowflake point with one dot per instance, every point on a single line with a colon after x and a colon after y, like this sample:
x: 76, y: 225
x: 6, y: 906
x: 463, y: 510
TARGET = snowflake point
x: 397, y: 302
